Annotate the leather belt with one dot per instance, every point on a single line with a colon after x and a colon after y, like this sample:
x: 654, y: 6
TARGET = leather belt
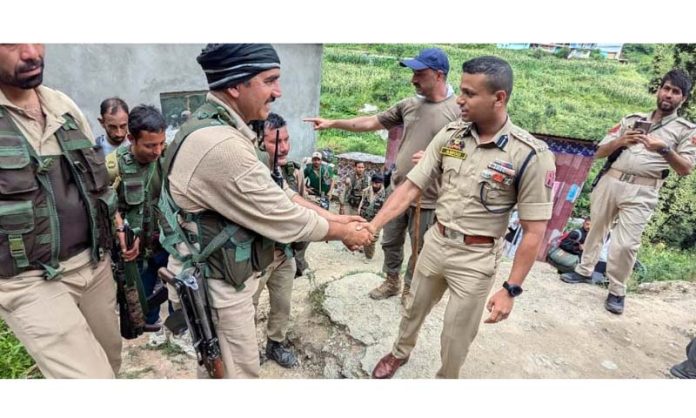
x: 467, y: 239
x: 630, y: 178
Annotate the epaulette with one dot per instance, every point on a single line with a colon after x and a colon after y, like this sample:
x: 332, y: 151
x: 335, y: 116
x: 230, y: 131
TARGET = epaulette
x: 637, y: 115
x: 457, y: 124
x: 528, y: 139
x: 686, y: 123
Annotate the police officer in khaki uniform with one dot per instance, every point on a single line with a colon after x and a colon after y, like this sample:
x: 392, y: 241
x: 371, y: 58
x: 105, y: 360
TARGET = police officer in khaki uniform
x: 57, y: 293
x: 215, y: 178
x: 487, y: 165
x: 649, y: 145
x: 353, y: 189
x: 279, y: 276
x: 422, y: 116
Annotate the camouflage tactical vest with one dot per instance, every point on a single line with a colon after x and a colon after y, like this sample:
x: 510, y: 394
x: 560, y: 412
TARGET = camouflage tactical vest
x: 226, y: 250
x: 370, y: 210
x: 138, y: 194
x: 288, y: 171
x: 356, y: 189
x: 32, y: 236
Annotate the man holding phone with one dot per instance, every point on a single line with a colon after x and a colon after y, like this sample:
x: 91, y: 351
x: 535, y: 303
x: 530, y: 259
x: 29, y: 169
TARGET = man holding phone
x: 649, y: 146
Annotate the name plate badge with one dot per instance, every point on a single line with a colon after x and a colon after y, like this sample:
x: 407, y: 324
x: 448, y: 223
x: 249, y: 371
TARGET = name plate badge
x: 453, y: 152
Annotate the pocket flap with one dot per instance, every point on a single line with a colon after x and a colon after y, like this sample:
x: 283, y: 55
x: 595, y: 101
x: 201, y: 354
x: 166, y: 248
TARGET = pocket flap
x: 134, y: 191
x: 16, y: 217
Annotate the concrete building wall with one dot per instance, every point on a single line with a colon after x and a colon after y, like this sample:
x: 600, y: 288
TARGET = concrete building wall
x: 138, y: 73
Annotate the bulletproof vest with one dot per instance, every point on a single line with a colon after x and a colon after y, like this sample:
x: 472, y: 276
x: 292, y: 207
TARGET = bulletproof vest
x: 51, y: 207
x: 226, y: 250
x: 138, y: 193
x: 370, y: 210
x: 288, y: 171
x: 356, y: 189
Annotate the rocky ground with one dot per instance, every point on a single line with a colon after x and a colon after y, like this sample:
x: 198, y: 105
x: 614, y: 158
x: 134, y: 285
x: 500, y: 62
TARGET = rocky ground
x: 556, y: 330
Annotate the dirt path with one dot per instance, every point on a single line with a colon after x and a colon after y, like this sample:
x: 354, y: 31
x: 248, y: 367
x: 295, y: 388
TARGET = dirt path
x: 555, y: 331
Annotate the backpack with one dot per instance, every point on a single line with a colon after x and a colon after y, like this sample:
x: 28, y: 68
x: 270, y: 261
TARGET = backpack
x: 562, y: 260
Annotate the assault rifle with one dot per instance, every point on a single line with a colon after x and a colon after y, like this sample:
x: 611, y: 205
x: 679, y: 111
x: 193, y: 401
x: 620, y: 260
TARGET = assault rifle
x: 275, y: 174
x: 190, y: 287
x: 607, y: 165
x: 130, y: 308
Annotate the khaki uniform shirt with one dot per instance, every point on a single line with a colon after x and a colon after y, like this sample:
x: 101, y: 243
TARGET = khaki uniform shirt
x: 677, y: 132
x: 217, y: 169
x: 54, y: 105
x: 469, y: 184
x: 422, y: 120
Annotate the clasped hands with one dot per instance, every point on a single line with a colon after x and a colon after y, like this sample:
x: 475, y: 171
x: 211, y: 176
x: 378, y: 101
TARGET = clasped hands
x: 638, y: 137
x: 358, y: 232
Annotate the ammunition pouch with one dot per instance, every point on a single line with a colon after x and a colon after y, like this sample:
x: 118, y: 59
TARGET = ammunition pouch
x: 235, y: 252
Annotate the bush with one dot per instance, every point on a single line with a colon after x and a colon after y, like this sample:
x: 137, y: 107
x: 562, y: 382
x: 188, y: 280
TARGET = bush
x: 663, y: 263
x: 562, y: 53
x: 14, y: 360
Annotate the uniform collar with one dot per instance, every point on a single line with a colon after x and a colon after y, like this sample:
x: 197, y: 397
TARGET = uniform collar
x: 502, y: 137
x: 241, y: 125
x: 52, y: 104
x: 667, y: 119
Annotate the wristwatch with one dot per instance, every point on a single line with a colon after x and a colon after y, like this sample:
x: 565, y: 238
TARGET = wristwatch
x: 664, y: 151
x: 512, y: 289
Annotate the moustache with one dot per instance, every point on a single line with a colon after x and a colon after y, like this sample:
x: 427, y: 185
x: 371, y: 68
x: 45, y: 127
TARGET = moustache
x: 31, y: 65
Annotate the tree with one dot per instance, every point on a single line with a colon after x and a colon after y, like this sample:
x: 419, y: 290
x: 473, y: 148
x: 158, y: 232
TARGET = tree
x: 685, y: 58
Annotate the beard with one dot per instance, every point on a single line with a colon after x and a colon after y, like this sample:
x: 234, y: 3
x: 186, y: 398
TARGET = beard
x: 25, y: 83
x: 666, y: 106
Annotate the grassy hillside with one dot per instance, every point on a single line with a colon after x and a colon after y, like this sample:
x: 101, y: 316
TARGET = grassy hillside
x: 576, y: 98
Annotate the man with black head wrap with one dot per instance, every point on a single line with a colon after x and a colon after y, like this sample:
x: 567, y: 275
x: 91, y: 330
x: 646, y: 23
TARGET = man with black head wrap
x: 219, y: 184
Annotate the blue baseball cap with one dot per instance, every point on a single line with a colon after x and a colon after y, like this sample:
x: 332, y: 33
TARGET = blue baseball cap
x: 433, y: 58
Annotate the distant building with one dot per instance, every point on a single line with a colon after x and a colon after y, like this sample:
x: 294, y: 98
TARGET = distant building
x: 577, y: 50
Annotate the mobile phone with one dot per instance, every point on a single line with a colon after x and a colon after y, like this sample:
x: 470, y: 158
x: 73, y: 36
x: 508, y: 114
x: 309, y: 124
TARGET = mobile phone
x: 642, y: 125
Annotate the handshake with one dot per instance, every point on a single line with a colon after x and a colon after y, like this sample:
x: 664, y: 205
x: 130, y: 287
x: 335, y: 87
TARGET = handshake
x: 353, y: 231
x: 358, y: 235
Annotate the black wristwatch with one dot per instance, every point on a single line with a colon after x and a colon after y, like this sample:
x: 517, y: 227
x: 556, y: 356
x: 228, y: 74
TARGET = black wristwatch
x: 664, y: 150
x: 512, y: 289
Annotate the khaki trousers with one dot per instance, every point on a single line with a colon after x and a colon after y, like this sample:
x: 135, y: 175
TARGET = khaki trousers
x: 468, y: 272
x: 233, y: 316
x: 69, y: 326
x: 279, y: 278
x: 631, y: 206
x: 395, y: 237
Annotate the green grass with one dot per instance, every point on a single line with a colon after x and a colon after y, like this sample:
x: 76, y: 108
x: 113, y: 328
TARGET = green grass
x: 663, y: 263
x: 316, y: 297
x: 167, y: 348
x: 15, y: 362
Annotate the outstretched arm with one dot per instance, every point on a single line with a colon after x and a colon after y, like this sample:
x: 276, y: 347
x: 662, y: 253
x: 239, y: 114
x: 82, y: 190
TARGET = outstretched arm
x: 359, y: 124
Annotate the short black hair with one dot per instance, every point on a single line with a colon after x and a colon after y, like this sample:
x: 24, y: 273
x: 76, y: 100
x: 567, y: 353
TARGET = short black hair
x: 356, y: 162
x: 112, y: 105
x: 498, y: 72
x: 145, y: 118
x: 274, y: 121
x: 678, y: 78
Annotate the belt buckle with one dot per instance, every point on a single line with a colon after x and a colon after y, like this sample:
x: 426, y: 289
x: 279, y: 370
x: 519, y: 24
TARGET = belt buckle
x: 625, y: 177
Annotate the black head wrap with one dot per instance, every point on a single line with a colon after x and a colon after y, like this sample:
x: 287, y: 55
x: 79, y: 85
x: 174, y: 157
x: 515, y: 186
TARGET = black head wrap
x: 227, y: 65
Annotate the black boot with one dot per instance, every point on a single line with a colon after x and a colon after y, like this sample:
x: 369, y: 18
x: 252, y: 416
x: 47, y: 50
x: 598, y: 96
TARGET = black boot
x: 574, y: 278
x: 280, y: 354
x: 615, y: 304
x: 687, y: 369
